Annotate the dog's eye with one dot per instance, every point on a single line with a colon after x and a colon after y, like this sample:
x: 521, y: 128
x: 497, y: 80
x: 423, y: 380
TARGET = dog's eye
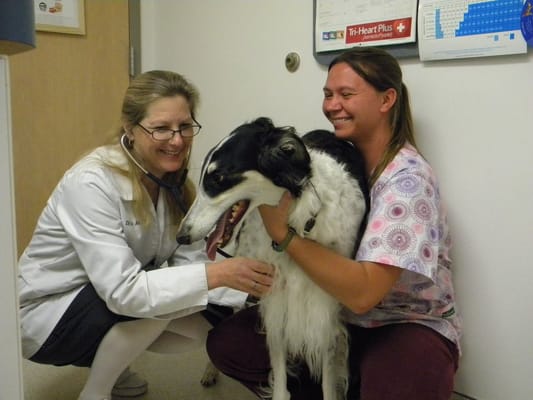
x: 216, y: 177
x: 214, y: 183
x: 217, y: 182
x: 219, y: 178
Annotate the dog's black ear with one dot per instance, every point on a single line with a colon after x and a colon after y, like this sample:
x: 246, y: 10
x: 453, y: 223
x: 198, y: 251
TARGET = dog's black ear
x: 284, y: 159
x: 263, y: 124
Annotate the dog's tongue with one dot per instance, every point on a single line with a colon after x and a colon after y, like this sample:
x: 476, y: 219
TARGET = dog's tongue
x: 214, y: 237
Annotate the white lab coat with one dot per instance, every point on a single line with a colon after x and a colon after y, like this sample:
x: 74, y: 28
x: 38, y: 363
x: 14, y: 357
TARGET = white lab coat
x: 88, y: 232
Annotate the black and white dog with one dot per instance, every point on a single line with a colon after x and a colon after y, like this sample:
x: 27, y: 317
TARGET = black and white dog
x: 254, y: 165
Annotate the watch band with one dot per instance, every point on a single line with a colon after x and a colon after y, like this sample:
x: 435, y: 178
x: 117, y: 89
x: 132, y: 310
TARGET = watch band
x: 279, y: 247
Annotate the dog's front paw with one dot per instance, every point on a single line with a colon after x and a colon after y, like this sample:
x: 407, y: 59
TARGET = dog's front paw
x: 210, y: 375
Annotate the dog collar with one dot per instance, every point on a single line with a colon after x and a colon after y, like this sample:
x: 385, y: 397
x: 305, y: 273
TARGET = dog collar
x: 310, y: 223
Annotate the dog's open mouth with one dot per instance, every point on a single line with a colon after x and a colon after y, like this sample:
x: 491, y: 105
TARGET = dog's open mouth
x: 224, y: 227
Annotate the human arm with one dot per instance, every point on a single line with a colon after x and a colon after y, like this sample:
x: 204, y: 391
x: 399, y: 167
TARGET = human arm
x: 244, y: 274
x: 358, y: 285
x: 229, y: 280
x: 103, y: 243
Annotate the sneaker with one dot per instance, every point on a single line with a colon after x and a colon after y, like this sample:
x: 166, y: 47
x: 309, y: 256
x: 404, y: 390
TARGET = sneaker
x: 129, y: 384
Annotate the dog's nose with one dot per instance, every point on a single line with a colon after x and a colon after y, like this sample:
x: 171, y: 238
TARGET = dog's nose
x: 184, y: 239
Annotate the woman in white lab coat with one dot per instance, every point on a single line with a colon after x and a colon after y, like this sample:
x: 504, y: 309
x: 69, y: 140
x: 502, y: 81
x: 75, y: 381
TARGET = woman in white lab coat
x: 103, y: 278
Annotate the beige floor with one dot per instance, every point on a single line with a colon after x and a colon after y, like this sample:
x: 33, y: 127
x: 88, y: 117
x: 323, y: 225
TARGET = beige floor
x: 170, y: 378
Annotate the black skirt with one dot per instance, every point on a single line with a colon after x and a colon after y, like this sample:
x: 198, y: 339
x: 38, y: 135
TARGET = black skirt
x: 77, y: 335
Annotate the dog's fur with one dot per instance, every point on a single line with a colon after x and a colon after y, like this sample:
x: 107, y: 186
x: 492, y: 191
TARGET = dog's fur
x: 254, y: 165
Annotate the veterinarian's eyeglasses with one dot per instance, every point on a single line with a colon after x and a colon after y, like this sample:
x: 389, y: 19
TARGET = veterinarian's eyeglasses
x: 185, y: 131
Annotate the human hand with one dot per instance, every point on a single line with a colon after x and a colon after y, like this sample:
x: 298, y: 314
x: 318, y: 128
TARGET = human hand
x: 250, y: 276
x: 276, y: 218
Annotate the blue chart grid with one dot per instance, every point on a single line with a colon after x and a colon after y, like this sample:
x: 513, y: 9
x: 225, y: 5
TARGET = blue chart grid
x: 490, y: 17
x: 480, y: 18
x: 439, y: 33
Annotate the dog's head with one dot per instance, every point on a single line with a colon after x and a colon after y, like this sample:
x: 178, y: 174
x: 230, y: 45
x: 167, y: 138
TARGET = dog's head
x: 254, y: 165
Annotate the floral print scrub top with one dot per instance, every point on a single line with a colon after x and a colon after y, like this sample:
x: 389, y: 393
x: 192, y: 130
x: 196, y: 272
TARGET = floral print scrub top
x: 407, y: 228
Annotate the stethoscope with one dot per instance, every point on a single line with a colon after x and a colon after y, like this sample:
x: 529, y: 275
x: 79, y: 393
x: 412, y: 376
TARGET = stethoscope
x: 174, y: 190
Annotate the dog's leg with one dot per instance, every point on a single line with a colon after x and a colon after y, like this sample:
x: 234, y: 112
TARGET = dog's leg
x: 278, y: 360
x: 335, y: 369
x: 210, y: 375
x: 329, y: 390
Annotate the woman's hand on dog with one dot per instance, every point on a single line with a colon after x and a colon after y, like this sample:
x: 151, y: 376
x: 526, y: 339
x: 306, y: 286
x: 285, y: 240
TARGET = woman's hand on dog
x: 276, y: 218
x: 250, y: 276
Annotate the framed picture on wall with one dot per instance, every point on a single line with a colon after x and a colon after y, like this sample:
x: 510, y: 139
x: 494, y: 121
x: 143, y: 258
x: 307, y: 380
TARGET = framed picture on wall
x: 62, y: 16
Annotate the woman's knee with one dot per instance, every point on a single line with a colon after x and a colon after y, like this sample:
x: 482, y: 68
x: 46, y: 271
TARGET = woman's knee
x: 193, y: 326
x: 222, y: 343
x: 237, y: 341
x: 414, y: 361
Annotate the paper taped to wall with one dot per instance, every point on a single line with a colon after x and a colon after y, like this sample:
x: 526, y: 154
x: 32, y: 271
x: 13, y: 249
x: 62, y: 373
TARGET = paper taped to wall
x: 469, y: 28
x: 341, y: 24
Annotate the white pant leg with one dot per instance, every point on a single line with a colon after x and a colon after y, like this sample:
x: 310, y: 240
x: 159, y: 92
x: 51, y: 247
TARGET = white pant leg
x: 182, y: 334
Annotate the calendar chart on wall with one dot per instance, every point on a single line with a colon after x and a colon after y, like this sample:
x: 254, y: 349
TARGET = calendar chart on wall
x: 469, y: 28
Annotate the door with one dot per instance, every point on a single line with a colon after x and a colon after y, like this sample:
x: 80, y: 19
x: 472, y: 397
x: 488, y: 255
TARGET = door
x: 66, y: 97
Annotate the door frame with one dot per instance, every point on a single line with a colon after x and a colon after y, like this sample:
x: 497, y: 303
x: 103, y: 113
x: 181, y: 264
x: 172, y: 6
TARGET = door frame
x: 11, y: 371
x: 11, y: 377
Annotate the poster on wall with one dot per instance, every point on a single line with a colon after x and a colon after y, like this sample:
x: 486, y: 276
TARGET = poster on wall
x: 62, y: 16
x: 341, y: 24
x: 469, y: 28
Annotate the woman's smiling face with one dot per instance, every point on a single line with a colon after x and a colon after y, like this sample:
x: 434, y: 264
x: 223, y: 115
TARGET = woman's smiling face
x: 354, y: 107
x: 160, y: 157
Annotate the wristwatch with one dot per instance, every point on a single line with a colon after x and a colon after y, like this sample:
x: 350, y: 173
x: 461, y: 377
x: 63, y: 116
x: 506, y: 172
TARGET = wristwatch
x: 279, y: 247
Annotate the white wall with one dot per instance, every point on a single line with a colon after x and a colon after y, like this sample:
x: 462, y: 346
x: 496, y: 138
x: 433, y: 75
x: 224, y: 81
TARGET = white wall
x: 474, y: 124
x: 10, y: 367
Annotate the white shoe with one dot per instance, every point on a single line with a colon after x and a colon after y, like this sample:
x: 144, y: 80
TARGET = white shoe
x: 129, y: 384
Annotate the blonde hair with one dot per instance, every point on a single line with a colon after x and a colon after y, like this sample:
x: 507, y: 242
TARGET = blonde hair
x: 382, y: 71
x: 143, y: 90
